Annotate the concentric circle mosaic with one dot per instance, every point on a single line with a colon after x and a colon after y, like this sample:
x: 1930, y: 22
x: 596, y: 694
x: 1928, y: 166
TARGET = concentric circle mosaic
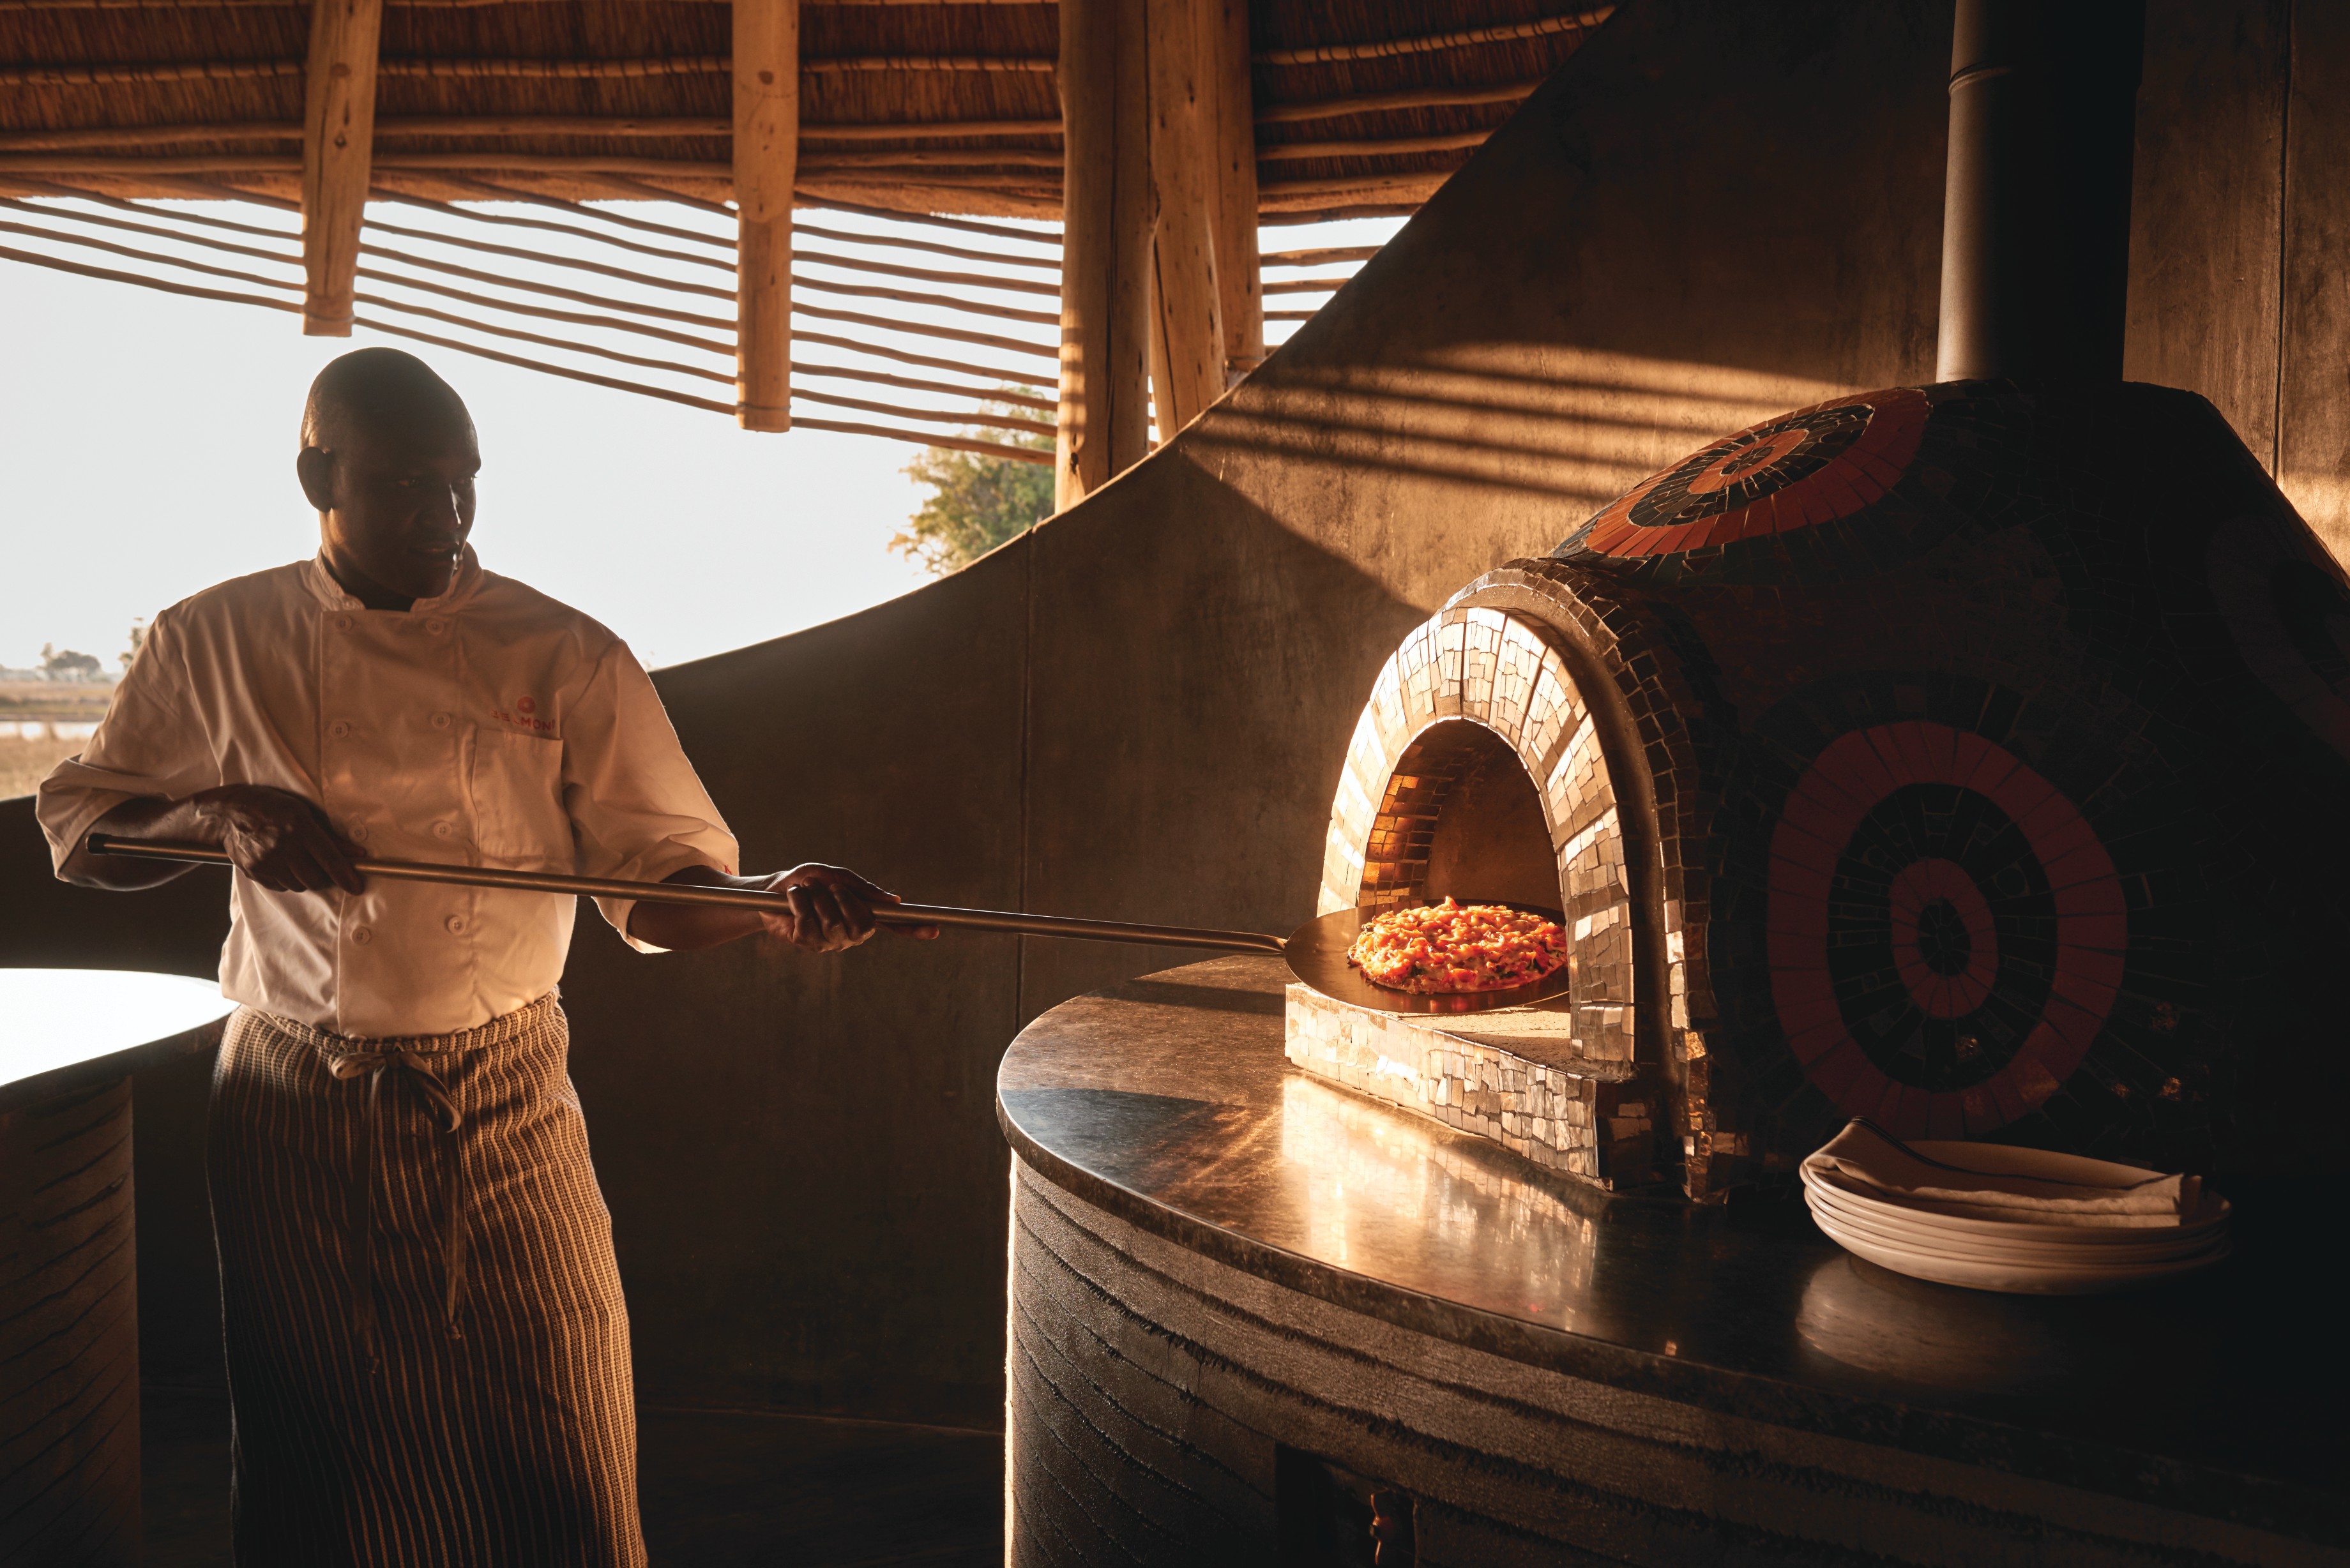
x: 1946, y: 931
x: 1797, y: 471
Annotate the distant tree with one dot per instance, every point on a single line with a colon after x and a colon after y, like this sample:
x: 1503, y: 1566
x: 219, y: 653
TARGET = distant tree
x: 65, y: 664
x: 977, y: 502
x: 138, y: 641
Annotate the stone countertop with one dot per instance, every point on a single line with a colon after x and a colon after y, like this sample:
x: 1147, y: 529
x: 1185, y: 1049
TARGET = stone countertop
x: 1168, y: 1101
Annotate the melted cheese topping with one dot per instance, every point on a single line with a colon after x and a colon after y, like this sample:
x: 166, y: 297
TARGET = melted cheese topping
x: 1453, y: 947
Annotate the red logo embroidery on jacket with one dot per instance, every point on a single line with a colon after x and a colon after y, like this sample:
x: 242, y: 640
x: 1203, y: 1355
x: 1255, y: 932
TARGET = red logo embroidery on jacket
x: 526, y: 716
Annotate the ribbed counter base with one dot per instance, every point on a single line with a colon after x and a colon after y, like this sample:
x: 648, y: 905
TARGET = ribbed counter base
x: 1168, y: 1408
x: 68, y: 1334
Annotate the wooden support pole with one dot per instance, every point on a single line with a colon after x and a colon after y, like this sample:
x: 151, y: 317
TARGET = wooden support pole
x: 338, y: 140
x: 1104, y: 424
x: 766, y: 163
x: 1224, y: 51
x: 1187, y: 333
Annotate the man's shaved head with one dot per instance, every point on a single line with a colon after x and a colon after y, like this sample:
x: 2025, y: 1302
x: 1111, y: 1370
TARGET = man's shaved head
x: 372, y: 388
x: 388, y: 457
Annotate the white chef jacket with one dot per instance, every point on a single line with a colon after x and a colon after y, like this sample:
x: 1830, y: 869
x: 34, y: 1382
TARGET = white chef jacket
x: 490, y: 725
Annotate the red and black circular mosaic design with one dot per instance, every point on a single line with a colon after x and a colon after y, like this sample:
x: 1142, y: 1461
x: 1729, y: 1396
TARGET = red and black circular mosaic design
x: 1797, y: 471
x: 1946, y: 933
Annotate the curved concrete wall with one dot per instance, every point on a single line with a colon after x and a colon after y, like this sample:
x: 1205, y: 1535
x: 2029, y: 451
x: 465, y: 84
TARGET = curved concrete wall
x: 1716, y: 212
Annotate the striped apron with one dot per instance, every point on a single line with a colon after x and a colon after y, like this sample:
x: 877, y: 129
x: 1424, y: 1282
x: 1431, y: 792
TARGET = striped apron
x: 428, y: 1353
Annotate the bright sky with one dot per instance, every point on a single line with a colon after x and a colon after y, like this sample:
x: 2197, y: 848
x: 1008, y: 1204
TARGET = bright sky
x: 147, y: 442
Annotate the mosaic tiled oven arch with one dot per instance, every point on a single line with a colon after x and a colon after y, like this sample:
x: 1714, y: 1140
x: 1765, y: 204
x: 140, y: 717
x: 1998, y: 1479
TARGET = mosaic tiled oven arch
x: 1503, y: 672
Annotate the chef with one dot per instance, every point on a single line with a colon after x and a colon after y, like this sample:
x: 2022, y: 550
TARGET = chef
x: 428, y: 1351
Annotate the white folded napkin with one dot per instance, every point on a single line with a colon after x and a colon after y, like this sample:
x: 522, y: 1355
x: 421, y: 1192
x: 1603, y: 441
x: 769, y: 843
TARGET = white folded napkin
x: 1865, y: 1155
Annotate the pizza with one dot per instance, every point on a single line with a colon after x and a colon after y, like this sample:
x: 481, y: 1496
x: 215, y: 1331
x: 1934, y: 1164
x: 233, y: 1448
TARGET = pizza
x: 1455, y: 947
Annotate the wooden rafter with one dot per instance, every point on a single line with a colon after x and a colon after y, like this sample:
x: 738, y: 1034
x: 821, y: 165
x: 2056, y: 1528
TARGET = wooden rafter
x: 1187, y: 331
x: 766, y: 167
x: 1224, y: 54
x: 337, y: 141
x: 1106, y: 219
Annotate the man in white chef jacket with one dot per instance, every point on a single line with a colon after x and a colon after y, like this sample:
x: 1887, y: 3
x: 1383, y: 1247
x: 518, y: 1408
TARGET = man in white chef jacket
x: 427, y: 1345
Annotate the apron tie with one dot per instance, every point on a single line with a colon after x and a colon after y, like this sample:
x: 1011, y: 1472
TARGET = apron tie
x: 351, y: 1064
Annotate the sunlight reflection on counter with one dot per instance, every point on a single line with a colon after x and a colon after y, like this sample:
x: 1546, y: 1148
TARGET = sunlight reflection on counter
x: 1364, y: 1178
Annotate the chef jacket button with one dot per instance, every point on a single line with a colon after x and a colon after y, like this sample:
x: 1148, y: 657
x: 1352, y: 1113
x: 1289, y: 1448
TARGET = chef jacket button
x: 342, y: 623
x: 443, y: 829
x: 456, y: 924
x: 440, y: 720
x: 357, y: 833
x: 339, y: 727
x: 362, y: 935
x: 436, y: 626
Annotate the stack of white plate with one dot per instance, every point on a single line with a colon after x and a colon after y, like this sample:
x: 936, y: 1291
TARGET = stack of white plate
x: 2047, y: 1256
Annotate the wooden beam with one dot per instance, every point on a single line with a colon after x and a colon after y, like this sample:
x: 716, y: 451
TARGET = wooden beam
x: 338, y: 139
x: 1186, y: 330
x: 1104, y: 424
x: 1224, y: 51
x: 767, y: 165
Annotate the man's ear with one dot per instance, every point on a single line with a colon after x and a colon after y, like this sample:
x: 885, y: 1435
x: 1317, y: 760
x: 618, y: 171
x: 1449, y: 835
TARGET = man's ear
x: 315, y: 467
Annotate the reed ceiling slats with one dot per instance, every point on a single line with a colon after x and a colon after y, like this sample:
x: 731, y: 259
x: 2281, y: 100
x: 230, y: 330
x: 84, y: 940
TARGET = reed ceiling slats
x: 114, y: 114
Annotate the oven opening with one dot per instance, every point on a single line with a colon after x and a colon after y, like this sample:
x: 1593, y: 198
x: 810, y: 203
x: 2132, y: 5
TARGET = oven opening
x: 1460, y: 815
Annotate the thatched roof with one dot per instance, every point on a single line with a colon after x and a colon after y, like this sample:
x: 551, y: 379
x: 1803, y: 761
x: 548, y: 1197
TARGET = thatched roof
x: 603, y: 97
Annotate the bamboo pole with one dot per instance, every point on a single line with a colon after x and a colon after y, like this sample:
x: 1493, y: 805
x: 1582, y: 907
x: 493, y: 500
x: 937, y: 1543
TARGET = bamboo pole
x: 1431, y: 43
x: 1388, y: 102
x: 29, y: 5
x: 1324, y: 257
x: 1104, y: 422
x: 1224, y: 54
x: 337, y: 139
x: 184, y: 164
x: 1371, y: 147
x: 915, y: 130
x: 1423, y: 181
x: 1186, y: 330
x: 935, y: 301
x: 936, y: 158
x: 767, y: 165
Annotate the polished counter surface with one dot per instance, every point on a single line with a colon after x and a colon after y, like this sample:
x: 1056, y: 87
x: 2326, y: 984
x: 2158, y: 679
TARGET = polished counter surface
x: 1168, y: 1101
x: 63, y: 1029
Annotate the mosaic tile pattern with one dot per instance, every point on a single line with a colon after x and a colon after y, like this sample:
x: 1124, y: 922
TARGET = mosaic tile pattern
x: 1589, y: 1127
x: 1798, y: 471
x: 1499, y: 671
x: 2001, y: 793
x: 1971, y: 756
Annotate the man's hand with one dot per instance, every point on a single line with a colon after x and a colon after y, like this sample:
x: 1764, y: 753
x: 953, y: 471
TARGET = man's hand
x: 825, y: 909
x: 279, y: 840
x: 830, y: 909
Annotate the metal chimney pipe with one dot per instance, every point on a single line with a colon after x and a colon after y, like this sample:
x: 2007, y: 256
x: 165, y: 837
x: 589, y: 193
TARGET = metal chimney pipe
x: 2036, y: 199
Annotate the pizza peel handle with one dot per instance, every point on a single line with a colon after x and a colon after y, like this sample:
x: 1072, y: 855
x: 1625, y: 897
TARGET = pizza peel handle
x: 201, y: 854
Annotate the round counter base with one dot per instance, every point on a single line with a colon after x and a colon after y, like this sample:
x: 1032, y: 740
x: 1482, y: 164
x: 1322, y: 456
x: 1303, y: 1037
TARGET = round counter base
x: 1166, y: 1408
x: 68, y: 1333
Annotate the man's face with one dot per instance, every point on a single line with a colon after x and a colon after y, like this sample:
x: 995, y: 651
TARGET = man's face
x: 398, y: 499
